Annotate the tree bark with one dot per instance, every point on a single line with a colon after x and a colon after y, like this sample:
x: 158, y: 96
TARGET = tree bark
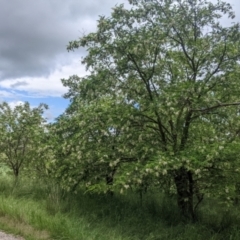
x: 109, y: 180
x: 185, y: 192
x: 16, y: 172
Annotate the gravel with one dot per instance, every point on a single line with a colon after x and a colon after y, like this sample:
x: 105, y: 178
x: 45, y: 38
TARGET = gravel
x: 4, y: 236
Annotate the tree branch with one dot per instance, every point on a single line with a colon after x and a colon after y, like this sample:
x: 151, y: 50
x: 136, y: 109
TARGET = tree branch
x: 215, y: 107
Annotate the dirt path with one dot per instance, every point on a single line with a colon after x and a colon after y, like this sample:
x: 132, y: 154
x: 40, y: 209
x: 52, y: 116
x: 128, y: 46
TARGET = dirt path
x: 5, y: 236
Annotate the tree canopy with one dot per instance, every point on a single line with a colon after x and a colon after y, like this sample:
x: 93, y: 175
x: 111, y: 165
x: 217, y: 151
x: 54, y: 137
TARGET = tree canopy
x: 162, y: 97
x: 22, y: 130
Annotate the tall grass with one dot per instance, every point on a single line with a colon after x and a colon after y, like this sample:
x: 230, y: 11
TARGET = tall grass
x: 41, y: 210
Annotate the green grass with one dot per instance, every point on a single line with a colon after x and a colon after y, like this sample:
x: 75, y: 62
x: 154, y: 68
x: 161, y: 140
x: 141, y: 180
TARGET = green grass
x: 38, y: 210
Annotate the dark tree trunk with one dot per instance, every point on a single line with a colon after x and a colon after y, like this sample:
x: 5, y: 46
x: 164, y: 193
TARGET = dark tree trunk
x: 237, y: 193
x: 109, y: 180
x: 16, y: 172
x: 185, y: 192
x: 143, y: 189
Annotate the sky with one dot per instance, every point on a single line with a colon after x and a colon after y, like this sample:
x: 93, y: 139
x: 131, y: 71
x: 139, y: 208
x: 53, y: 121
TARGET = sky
x: 33, y: 40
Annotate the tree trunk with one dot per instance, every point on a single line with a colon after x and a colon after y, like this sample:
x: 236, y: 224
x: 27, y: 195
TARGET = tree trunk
x: 16, y: 172
x: 109, y: 180
x: 237, y: 193
x: 185, y: 185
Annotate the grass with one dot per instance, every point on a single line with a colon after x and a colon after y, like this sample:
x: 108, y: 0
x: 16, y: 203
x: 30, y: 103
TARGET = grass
x: 38, y: 210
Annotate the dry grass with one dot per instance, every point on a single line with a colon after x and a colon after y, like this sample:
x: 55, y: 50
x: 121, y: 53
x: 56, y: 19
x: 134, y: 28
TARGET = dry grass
x: 23, y: 229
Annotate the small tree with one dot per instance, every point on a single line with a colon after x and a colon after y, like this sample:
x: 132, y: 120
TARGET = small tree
x: 21, y: 131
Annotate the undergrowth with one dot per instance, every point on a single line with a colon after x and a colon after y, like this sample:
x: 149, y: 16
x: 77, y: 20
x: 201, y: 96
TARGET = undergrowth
x: 38, y: 209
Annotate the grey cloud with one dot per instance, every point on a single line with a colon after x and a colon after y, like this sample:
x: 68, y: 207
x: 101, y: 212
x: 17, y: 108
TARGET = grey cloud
x: 19, y: 83
x: 34, y: 34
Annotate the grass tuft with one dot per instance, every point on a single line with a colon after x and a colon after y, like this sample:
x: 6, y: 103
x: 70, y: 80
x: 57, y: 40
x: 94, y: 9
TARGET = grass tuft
x: 41, y: 210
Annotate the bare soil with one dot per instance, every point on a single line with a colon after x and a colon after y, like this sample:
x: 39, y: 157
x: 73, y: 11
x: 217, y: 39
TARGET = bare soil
x: 5, y: 236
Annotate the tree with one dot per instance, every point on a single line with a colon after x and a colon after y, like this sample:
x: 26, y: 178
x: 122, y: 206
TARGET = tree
x: 22, y: 129
x: 171, y: 71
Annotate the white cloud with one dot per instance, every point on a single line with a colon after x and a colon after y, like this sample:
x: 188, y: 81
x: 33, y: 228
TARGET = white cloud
x: 49, y: 86
x: 6, y: 94
x: 13, y: 104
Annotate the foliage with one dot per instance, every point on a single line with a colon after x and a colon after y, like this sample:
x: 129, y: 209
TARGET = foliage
x: 161, y: 100
x: 22, y: 130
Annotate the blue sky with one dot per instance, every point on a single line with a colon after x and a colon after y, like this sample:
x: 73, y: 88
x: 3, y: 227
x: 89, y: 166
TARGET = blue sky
x: 33, y: 40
